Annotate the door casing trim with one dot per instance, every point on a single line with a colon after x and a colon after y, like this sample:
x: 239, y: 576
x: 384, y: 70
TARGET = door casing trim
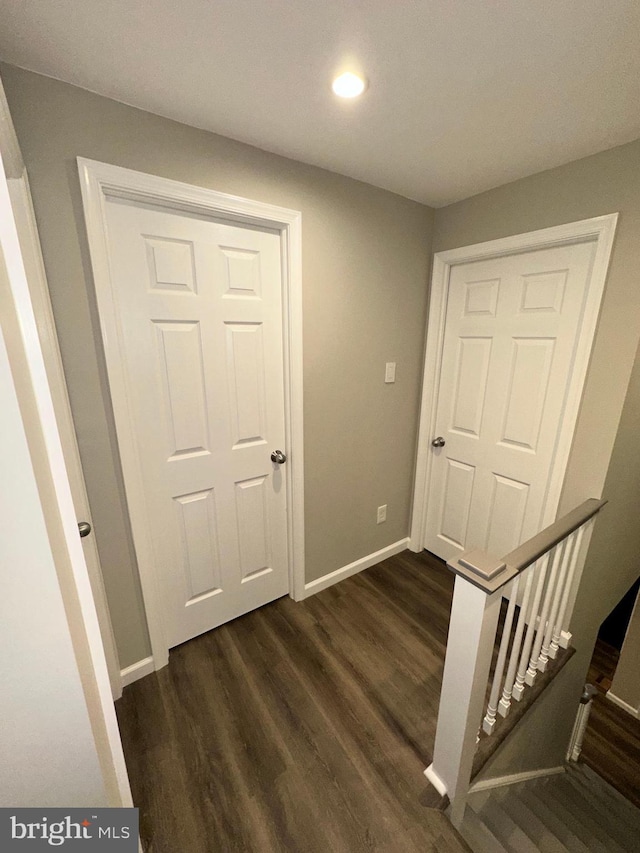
x: 100, y: 181
x: 599, y: 230
x: 25, y: 218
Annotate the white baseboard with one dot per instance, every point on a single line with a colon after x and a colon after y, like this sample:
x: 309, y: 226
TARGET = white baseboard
x: 136, y: 671
x: 635, y: 712
x: 436, y: 781
x: 514, y: 778
x: 353, y: 568
x: 414, y: 545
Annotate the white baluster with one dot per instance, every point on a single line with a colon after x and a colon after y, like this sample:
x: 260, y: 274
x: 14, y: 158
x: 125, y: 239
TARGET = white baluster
x: 505, y: 701
x: 543, y: 660
x: 562, y: 593
x: 580, y: 725
x: 532, y: 669
x: 489, y: 722
x: 575, y: 553
x: 518, y: 687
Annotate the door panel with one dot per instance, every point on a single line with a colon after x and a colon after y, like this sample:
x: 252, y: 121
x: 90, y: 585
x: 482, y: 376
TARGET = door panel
x: 456, y: 504
x: 506, y: 513
x: 199, y: 314
x: 511, y: 332
x: 246, y: 381
x: 181, y: 369
x: 199, y: 540
x: 251, y: 503
x: 472, y: 366
x: 529, y: 370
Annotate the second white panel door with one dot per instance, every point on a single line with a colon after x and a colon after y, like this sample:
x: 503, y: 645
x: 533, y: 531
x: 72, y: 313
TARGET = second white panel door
x: 199, y: 313
x: 512, y: 326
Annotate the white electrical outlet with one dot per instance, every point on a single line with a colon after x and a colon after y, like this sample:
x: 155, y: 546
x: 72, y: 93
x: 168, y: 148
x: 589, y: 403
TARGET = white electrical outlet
x: 382, y: 513
x: 390, y: 372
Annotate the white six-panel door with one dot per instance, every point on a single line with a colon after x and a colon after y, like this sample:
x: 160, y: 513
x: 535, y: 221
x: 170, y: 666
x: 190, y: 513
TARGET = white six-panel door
x: 512, y: 326
x: 199, y: 316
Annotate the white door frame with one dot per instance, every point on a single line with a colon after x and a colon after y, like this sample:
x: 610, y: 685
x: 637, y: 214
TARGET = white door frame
x: 100, y: 181
x: 30, y: 244
x: 599, y: 230
x: 25, y: 221
x: 30, y: 379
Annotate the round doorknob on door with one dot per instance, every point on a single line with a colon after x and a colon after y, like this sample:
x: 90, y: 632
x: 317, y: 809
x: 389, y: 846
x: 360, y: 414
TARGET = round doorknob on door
x: 84, y: 528
x: 438, y: 442
x: 278, y: 457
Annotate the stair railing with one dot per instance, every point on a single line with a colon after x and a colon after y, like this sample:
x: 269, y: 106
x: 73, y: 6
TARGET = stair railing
x: 540, y: 579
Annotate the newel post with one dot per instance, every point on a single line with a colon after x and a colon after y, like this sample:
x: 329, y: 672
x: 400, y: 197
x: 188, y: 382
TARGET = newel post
x: 472, y: 630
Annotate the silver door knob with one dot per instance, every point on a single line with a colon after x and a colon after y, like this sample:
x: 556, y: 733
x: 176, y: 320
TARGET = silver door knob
x: 438, y: 442
x: 84, y: 528
x: 278, y: 457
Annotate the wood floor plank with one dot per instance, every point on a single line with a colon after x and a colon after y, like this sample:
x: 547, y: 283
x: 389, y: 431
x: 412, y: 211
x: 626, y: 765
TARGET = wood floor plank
x: 611, y: 744
x: 306, y: 726
x: 301, y: 726
x: 611, y: 747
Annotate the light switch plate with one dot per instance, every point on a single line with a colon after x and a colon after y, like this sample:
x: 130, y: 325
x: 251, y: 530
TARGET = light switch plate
x: 390, y: 372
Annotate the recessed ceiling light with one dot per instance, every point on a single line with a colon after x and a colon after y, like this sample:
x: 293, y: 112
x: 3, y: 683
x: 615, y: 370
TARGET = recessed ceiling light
x: 349, y: 85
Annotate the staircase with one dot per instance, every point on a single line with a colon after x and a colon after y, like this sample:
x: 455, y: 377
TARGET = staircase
x: 574, y: 811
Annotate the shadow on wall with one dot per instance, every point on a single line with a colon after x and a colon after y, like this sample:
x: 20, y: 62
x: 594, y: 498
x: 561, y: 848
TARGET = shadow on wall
x: 614, y: 628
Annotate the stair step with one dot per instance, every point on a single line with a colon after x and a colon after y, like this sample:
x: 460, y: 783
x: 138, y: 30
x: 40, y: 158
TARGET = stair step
x: 540, y: 834
x: 502, y: 825
x: 573, y: 812
x: 618, y: 801
x: 609, y: 799
x: 565, y: 812
x: 478, y: 836
x: 618, y: 816
x: 558, y: 826
x: 590, y: 811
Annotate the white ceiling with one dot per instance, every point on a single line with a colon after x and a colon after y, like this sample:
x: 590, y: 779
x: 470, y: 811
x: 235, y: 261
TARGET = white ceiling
x: 464, y: 94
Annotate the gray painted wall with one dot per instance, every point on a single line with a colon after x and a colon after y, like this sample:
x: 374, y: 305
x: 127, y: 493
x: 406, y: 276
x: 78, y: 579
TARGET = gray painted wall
x: 365, y: 267
x: 366, y: 257
x: 606, y: 440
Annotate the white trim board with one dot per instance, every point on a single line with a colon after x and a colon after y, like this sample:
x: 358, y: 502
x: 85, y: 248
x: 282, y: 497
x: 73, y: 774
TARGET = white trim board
x: 635, y: 712
x: 435, y: 780
x: 26, y: 361
x: 514, y: 778
x: 600, y: 231
x: 100, y: 181
x: 24, y: 216
x: 9, y: 147
x: 353, y: 568
x: 137, y: 671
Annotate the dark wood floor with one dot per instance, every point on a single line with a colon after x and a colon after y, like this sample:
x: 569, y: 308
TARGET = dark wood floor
x: 301, y: 726
x: 612, y: 742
